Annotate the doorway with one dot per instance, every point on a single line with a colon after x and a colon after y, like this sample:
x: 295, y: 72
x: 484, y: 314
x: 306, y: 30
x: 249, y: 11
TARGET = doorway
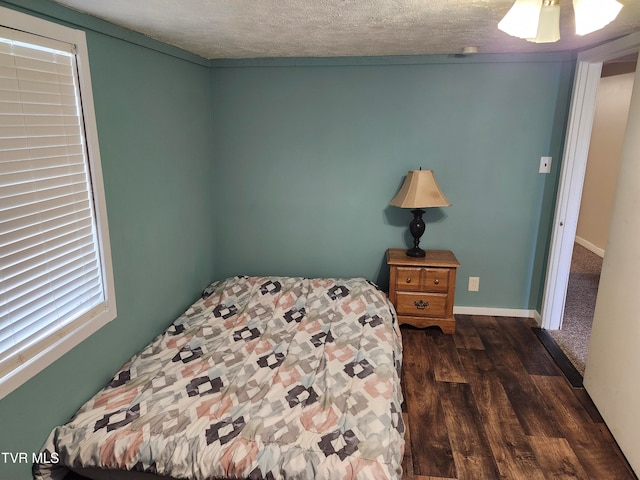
x: 596, y: 205
x: 572, y: 175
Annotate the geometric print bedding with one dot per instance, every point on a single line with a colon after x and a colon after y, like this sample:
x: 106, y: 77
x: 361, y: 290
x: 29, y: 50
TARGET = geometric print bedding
x: 272, y: 378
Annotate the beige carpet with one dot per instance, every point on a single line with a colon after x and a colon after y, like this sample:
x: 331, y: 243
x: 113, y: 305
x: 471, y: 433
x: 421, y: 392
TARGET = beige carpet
x: 584, y: 278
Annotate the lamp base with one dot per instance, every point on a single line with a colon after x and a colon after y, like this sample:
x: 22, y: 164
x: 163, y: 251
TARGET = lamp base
x: 415, y: 252
x: 416, y: 227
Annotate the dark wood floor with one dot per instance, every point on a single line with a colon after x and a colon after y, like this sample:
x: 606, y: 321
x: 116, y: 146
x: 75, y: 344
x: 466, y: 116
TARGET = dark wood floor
x: 490, y: 403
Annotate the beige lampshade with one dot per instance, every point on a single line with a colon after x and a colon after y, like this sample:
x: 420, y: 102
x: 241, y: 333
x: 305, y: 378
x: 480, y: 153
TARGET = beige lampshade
x: 420, y: 190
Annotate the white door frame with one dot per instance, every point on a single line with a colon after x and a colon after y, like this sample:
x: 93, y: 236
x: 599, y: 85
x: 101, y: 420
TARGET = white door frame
x: 574, y: 164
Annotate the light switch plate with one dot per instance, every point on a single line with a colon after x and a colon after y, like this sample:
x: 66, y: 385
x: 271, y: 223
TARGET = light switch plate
x: 545, y: 165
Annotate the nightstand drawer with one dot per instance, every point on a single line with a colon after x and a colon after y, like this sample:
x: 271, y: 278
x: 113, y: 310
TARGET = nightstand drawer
x: 436, y: 279
x: 409, y: 279
x: 418, y: 304
x: 422, y: 279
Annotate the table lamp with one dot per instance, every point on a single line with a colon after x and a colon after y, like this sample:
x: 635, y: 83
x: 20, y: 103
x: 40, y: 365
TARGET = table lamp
x: 419, y: 190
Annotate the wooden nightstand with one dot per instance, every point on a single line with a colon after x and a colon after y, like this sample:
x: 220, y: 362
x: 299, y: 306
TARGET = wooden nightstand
x: 422, y: 289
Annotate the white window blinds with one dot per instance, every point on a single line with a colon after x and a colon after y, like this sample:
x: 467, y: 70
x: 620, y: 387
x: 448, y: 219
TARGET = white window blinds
x: 50, y: 268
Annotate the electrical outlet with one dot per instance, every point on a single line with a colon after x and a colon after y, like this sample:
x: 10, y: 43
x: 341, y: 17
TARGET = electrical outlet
x: 474, y: 284
x: 545, y: 165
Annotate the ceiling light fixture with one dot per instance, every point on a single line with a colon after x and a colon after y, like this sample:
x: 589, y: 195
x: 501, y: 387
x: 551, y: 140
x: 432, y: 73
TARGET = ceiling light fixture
x: 539, y: 20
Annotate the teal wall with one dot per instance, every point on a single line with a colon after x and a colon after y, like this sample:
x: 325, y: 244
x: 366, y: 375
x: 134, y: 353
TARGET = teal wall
x: 308, y: 155
x: 154, y: 124
x: 550, y: 192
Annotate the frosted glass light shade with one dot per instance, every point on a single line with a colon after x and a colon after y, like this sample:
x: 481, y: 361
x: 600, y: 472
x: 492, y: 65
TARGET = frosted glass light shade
x: 592, y: 15
x: 522, y: 19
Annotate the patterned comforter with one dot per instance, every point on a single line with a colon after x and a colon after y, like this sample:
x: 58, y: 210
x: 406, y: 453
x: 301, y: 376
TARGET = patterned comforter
x: 265, y: 378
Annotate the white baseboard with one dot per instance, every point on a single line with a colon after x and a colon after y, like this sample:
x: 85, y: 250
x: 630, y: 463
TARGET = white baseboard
x: 497, y: 312
x: 537, y: 317
x: 590, y: 246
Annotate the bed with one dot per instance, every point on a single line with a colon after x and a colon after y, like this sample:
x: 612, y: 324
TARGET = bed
x: 264, y: 378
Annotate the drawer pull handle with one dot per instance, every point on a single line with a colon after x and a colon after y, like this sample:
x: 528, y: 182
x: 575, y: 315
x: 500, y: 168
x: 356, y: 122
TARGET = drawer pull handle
x: 436, y: 281
x: 409, y: 280
x: 420, y: 304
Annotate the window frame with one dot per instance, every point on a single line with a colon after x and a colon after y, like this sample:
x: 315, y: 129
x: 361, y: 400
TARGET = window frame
x: 92, y: 320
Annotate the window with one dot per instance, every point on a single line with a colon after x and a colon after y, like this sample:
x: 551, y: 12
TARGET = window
x: 56, y: 283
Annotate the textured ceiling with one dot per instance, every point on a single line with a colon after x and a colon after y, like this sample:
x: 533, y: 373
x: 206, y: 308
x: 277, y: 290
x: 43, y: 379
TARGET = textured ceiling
x: 331, y: 28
